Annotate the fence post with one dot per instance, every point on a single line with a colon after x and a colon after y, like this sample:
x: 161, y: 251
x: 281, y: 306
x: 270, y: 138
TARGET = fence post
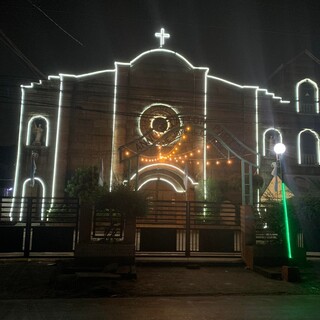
x: 26, y: 252
x: 85, y: 222
x: 248, y: 234
x: 187, y: 228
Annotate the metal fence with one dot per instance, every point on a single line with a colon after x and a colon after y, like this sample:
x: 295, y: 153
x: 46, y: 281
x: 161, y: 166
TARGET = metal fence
x: 189, y: 228
x: 45, y: 226
x: 269, y: 226
x: 108, y: 225
x: 38, y: 226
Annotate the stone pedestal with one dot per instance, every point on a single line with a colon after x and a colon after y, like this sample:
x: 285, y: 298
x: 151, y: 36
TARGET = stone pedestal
x: 85, y: 223
x: 290, y: 274
x: 105, y: 253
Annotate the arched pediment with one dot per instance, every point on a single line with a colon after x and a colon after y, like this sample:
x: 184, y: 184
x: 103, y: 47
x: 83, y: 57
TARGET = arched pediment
x: 160, y: 59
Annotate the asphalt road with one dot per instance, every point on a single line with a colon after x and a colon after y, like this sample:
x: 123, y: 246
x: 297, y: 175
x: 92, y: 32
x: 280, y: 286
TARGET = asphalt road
x: 289, y: 307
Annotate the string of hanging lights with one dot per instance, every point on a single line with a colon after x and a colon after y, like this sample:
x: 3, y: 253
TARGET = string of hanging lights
x: 178, y: 155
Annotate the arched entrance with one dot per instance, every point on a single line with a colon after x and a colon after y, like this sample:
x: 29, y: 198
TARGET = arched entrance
x: 221, y: 140
x: 176, y: 224
x: 162, y: 181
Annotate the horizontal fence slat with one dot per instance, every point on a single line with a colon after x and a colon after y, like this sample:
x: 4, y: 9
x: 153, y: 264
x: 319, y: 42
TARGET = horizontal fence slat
x: 48, y: 225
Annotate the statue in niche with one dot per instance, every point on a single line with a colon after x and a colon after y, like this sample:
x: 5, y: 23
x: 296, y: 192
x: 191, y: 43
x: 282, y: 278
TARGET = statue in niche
x: 38, y: 133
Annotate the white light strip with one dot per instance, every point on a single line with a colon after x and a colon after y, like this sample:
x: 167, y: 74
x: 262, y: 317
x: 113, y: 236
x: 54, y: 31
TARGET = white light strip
x: 32, y: 84
x: 16, y: 179
x: 17, y: 171
x: 230, y: 83
x: 57, y: 139
x: 147, y: 181
x: 161, y: 179
x: 81, y: 75
x: 251, y: 87
x: 113, y: 126
x: 264, y: 139
x: 163, y: 165
x: 64, y: 75
x: 24, y: 192
x: 298, y: 96
x: 171, y: 184
x: 317, y: 145
x: 257, y: 129
x: 205, y: 137
x: 28, y: 142
x: 167, y: 51
x: 18, y: 161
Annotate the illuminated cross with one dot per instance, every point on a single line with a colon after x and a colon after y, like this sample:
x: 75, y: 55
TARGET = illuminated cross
x: 162, y: 35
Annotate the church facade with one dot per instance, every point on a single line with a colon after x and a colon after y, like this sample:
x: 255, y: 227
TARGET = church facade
x: 167, y: 127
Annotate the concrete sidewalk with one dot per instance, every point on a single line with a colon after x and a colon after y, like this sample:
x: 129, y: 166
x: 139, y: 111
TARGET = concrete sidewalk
x: 42, y: 279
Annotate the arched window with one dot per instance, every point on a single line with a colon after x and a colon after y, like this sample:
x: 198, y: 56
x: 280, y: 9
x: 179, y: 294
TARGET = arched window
x: 307, y: 96
x: 38, y: 131
x: 308, y: 147
x: 270, y: 137
x: 34, y: 187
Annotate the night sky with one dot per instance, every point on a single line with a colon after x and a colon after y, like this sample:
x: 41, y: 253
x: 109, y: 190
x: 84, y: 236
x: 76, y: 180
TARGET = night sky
x: 240, y: 40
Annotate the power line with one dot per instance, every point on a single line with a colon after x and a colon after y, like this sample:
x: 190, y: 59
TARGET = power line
x: 63, y: 30
x: 7, y: 42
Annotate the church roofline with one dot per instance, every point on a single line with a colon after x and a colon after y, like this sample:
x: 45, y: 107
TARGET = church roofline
x: 61, y: 75
x: 170, y: 52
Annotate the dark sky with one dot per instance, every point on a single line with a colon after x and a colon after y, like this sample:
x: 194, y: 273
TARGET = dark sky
x: 241, y: 40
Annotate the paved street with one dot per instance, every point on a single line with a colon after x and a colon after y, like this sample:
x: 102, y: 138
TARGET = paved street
x: 156, y: 308
x: 37, y: 290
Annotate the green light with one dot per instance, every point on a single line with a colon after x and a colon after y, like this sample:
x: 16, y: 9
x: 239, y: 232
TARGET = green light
x: 286, y: 220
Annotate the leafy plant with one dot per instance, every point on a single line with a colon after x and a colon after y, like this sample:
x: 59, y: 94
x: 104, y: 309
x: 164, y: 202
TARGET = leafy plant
x: 271, y: 217
x: 84, y: 184
x: 122, y: 199
x: 218, y: 189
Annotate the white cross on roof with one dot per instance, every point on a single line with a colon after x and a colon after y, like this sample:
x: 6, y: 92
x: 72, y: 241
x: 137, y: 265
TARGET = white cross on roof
x: 162, y: 35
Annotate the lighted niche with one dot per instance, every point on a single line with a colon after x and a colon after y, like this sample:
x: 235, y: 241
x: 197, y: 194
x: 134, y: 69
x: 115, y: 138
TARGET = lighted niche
x: 271, y: 137
x: 308, y: 147
x: 38, y: 131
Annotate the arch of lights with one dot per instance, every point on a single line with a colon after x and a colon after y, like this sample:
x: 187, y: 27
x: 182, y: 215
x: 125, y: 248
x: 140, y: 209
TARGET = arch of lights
x: 317, y: 145
x: 175, y: 186
x: 29, y: 129
x: 167, y: 166
x: 43, y: 188
x: 314, y: 84
x: 264, y: 138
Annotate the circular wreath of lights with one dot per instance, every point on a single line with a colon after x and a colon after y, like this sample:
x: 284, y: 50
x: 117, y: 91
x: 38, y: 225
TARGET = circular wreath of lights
x: 158, y: 120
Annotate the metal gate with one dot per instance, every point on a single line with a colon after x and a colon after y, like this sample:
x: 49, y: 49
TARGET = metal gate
x: 38, y: 226
x: 189, y: 228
